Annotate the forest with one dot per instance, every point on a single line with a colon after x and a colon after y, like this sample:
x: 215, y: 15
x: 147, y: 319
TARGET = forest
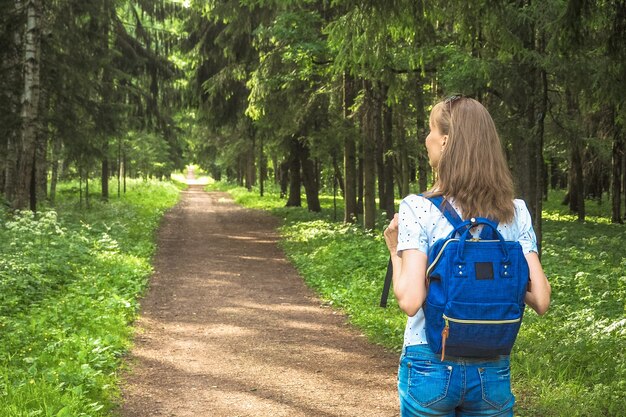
x: 319, y: 94
x: 305, y: 99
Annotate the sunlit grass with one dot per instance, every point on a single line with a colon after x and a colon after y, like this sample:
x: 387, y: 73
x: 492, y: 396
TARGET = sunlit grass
x: 200, y: 177
x: 595, y: 211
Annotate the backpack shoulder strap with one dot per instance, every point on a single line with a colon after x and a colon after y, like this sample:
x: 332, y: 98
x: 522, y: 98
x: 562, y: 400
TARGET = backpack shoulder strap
x: 446, y: 209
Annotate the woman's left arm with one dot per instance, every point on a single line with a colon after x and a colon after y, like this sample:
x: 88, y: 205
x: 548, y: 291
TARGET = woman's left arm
x: 409, y: 272
x: 539, y: 290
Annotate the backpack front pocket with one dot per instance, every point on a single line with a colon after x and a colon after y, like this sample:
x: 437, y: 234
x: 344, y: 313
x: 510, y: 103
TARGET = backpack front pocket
x: 481, y: 330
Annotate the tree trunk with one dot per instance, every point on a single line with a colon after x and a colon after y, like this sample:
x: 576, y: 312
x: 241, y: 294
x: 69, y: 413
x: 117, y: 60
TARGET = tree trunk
x: 576, y: 191
x: 30, y: 108
x: 241, y: 169
x: 119, y: 165
x: 617, y: 162
x: 389, y: 203
x: 379, y: 139
x: 105, y: 123
x: 554, y: 173
x: 284, y: 178
x: 421, y: 119
x: 359, y: 179
x: 540, y: 180
x: 54, y: 176
x: 105, y: 173
x: 41, y: 148
x: 125, y: 169
x: 369, y: 156
x: 250, y: 167
x: 87, y: 204
x: 33, y: 185
x: 317, y: 166
x: 41, y: 167
x: 576, y: 181
x: 4, y: 151
x: 337, y: 177
x: 526, y: 152
x: 276, y: 168
x: 13, y: 95
x: 402, y: 159
x: 294, y: 199
x: 519, y: 166
x: 262, y: 168
x: 80, y: 186
x: 624, y: 170
x: 10, y: 172
x: 349, y: 154
x: 309, y: 178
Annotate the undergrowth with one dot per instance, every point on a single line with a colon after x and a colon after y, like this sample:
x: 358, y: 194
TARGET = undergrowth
x: 70, y: 279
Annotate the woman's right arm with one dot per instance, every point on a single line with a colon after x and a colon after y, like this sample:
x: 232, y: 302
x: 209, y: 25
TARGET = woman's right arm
x: 538, y: 293
x: 409, y: 272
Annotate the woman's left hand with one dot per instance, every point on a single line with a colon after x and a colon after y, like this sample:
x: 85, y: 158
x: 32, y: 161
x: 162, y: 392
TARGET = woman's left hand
x: 391, y: 235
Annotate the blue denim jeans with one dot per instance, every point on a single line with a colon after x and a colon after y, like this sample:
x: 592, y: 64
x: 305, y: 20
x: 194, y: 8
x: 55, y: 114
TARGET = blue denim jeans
x: 455, y: 387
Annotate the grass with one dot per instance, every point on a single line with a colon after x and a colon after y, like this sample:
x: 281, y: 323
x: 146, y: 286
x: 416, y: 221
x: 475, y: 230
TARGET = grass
x: 70, y: 279
x: 570, y: 362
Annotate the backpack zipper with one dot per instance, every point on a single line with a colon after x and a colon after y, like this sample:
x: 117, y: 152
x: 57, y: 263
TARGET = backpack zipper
x: 432, y: 265
x: 446, y: 329
x: 464, y: 321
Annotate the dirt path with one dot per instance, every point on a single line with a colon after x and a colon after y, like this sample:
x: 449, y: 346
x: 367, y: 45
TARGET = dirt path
x: 228, y: 328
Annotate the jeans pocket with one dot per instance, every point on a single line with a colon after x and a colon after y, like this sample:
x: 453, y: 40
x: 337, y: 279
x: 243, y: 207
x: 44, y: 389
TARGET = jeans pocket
x: 428, y: 381
x: 496, y: 386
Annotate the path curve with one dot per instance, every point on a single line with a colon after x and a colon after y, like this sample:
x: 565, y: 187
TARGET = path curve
x: 228, y: 328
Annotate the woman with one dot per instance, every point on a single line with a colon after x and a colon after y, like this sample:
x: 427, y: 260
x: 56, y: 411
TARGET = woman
x: 472, y: 174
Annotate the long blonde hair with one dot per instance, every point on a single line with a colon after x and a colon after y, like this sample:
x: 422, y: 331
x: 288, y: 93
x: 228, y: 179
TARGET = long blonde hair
x: 472, y: 169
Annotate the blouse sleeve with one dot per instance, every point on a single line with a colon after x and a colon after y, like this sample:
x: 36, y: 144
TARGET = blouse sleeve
x: 411, y: 234
x: 527, y: 237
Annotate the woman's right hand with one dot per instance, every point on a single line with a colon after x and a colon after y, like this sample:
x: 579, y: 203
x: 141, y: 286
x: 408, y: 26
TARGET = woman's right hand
x: 391, y: 235
x: 409, y: 271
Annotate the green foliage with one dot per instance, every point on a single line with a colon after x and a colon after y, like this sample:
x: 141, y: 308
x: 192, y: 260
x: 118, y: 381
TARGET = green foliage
x: 69, y: 284
x: 148, y: 153
x: 574, y: 355
x: 569, y: 362
x: 106, y: 68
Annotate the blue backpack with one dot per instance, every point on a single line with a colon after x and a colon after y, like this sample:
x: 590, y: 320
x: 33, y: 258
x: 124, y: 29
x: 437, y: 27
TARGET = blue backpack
x: 477, y: 286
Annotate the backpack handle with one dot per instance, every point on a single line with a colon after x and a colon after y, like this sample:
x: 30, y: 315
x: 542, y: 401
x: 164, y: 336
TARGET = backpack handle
x: 455, y: 220
x: 475, y: 221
